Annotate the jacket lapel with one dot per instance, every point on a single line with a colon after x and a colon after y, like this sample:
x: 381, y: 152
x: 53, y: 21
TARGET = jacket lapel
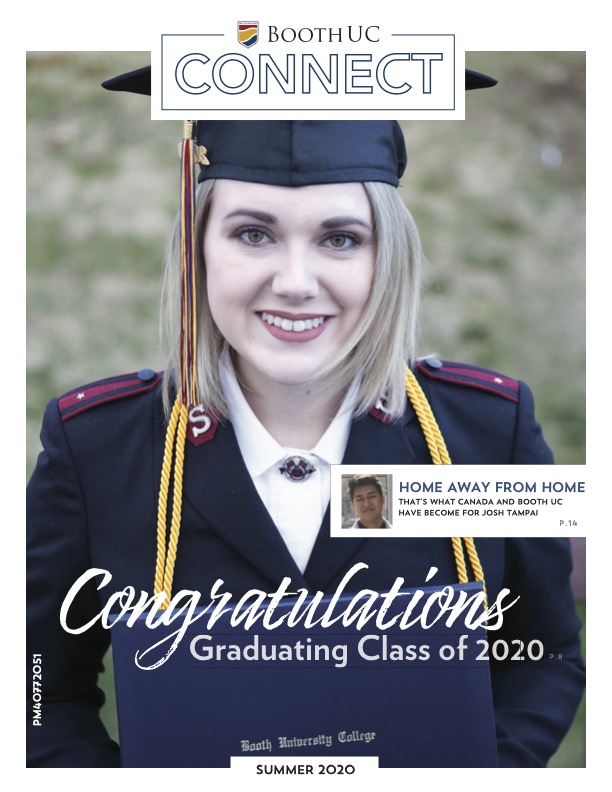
x: 218, y: 488
x: 371, y: 442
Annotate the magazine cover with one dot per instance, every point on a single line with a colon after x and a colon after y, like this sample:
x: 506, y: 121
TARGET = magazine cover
x: 227, y: 566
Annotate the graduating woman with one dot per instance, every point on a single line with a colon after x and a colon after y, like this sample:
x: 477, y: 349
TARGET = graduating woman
x: 290, y: 304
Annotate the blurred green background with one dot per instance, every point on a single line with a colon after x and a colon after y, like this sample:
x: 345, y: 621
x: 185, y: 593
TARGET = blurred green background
x: 499, y: 199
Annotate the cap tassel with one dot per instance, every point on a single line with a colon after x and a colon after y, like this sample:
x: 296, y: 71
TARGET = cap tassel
x: 187, y: 385
x: 189, y: 317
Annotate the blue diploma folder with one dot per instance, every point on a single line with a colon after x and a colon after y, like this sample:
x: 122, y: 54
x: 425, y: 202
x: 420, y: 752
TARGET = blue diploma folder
x: 413, y: 698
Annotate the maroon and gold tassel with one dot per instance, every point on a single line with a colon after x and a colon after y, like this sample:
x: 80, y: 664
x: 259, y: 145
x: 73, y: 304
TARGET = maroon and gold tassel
x: 187, y: 376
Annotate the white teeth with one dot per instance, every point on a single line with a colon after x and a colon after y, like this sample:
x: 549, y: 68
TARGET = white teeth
x: 297, y: 326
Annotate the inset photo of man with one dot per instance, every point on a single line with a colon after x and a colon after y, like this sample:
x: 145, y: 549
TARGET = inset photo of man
x: 364, y: 501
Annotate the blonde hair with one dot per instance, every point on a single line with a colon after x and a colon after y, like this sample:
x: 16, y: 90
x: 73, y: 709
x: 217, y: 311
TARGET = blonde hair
x: 381, y: 343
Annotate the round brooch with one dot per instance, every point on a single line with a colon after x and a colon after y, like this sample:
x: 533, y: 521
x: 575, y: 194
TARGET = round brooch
x: 296, y: 468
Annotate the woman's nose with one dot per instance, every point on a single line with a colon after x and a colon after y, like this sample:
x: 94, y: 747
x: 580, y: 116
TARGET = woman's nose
x: 295, y: 278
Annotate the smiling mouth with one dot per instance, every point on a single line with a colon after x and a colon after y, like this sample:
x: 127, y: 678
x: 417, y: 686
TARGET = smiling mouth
x: 293, y: 325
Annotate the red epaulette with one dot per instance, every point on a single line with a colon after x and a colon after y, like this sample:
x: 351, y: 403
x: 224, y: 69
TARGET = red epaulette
x: 107, y: 390
x: 469, y: 377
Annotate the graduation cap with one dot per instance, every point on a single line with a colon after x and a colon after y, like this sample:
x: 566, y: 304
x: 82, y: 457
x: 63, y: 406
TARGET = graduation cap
x: 284, y: 153
x: 139, y: 81
x: 295, y: 153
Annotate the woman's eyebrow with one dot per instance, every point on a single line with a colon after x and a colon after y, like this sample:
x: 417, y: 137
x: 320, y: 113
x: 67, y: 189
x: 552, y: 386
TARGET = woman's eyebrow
x: 262, y: 217
x: 338, y: 222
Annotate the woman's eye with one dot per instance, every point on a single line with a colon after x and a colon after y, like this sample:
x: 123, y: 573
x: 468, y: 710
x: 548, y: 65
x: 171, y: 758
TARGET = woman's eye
x: 342, y: 241
x: 252, y: 236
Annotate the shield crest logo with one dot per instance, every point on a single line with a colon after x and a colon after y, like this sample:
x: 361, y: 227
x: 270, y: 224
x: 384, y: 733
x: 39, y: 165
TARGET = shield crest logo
x: 248, y: 33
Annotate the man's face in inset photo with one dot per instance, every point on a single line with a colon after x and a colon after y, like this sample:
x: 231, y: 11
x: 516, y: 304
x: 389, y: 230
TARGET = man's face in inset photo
x: 368, y: 505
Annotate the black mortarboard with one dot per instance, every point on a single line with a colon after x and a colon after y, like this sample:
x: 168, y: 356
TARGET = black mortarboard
x: 139, y: 81
x: 297, y: 153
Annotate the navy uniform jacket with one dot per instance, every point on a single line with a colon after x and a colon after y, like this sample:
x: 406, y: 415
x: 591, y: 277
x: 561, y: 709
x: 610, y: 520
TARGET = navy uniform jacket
x: 92, y: 502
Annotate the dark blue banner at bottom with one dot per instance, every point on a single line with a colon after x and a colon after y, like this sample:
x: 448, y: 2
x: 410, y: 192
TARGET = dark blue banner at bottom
x: 417, y: 697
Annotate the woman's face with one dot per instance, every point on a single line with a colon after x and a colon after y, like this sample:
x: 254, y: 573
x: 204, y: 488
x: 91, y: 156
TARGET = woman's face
x: 289, y: 271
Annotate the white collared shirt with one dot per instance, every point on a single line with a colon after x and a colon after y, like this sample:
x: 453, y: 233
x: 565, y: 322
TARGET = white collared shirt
x: 297, y: 508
